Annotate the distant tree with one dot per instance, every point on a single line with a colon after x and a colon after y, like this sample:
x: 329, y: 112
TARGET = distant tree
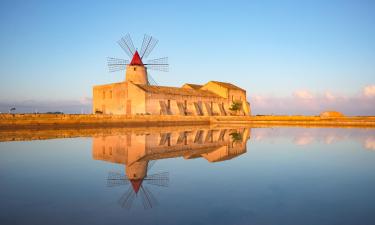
x: 236, y: 106
x: 12, y: 109
x: 57, y: 112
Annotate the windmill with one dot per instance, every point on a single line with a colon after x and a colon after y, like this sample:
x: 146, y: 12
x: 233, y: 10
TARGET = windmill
x: 148, y: 44
x: 138, y: 187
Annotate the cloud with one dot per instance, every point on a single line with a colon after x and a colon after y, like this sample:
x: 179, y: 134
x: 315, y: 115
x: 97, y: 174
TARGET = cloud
x: 303, y: 94
x: 329, y: 96
x: 369, y: 91
x: 304, y: 102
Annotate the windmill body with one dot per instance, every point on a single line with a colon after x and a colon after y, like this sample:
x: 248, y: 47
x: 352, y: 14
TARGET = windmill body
x: 136, y: 72
x: 139, y: 93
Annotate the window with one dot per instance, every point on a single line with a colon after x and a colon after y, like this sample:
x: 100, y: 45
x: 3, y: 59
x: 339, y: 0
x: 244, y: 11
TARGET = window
x: 110, y: 94
x: 103, y: 94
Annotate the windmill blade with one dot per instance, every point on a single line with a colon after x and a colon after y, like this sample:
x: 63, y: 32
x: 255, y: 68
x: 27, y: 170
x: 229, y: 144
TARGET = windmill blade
x: 127, y: 45
x: 148, y: 199
x: 160, y: 64
x: 148, y: 44
x: 159, y: 61
x: 163, y: 68
x: 146, y: 40
x: 127, y: 199
x: 150, y: 164
x: 115, y: 64
x: 159, y: 179
x: 151, y: 80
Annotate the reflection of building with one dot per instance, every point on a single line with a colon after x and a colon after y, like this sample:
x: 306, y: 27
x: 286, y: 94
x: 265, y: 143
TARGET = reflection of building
x: 135, y: 151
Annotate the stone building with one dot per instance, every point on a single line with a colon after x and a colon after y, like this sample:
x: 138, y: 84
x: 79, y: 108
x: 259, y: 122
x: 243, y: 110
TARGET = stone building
x: 135, y: 96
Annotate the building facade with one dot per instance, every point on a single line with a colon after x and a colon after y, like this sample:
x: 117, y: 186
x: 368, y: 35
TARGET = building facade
x: 135, y: 96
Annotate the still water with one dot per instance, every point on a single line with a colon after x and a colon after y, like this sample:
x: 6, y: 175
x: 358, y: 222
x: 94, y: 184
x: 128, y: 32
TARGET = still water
x: 183, y: 175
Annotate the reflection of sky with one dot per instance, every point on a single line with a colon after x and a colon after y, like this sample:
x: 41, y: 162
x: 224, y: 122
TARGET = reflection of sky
x: 58, y: 182
x: 370, y: 143
x: 301, y: 136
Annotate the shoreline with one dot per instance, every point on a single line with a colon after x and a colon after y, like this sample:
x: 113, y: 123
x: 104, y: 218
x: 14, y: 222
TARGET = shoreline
x: 60, y: 121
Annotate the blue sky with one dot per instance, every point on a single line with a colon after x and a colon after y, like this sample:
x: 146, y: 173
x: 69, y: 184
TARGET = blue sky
x: 55, y: 51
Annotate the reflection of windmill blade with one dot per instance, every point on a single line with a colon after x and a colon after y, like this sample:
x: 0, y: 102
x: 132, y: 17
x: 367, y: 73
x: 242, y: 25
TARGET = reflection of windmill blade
x: 148, y: 45
x: 116, y: 182
x: 114, y: 175
x: 115, y: 64
x: 127, y: 199
x: 116, y: 179
x: 159, y: 179
x: 127, y: 45
x: 150, y: 164
x: 148, y: 199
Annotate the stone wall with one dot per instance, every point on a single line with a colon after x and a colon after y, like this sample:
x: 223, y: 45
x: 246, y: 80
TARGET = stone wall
x: 153, y: 104
x: 110, y: 98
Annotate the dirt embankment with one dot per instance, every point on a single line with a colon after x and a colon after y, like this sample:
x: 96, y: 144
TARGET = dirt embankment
x: 25, y: 121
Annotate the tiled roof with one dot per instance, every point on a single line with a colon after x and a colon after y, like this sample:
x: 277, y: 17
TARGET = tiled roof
x: 194, y: 86
x: 177, y: 91
x: 227, y: 85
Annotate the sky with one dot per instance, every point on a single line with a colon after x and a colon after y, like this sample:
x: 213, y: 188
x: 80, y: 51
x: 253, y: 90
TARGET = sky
x: 292, y: 57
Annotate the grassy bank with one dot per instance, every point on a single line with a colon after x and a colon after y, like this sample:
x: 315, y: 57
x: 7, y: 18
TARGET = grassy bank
x: 353, y: 121
x: 22, y: 121
x: 88, y: 120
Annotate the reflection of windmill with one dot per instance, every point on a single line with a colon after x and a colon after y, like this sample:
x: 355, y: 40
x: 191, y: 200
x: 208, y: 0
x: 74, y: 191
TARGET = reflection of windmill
x: 137, y: 184
x: 148, y: 44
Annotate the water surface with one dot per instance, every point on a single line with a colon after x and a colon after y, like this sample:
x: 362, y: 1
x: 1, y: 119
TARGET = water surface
x: 197, y: 175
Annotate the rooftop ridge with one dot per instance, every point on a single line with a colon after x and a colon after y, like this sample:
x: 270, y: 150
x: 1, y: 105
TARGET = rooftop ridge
x: 226, y: 84
x: 177, y: 91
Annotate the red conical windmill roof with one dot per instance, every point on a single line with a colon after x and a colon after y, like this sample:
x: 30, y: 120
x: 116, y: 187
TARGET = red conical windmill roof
x: 136, y: 184
x: 136, y: 60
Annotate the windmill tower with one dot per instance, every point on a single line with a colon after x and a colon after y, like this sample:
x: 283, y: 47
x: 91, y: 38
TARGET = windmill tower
x: 136, y: 70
